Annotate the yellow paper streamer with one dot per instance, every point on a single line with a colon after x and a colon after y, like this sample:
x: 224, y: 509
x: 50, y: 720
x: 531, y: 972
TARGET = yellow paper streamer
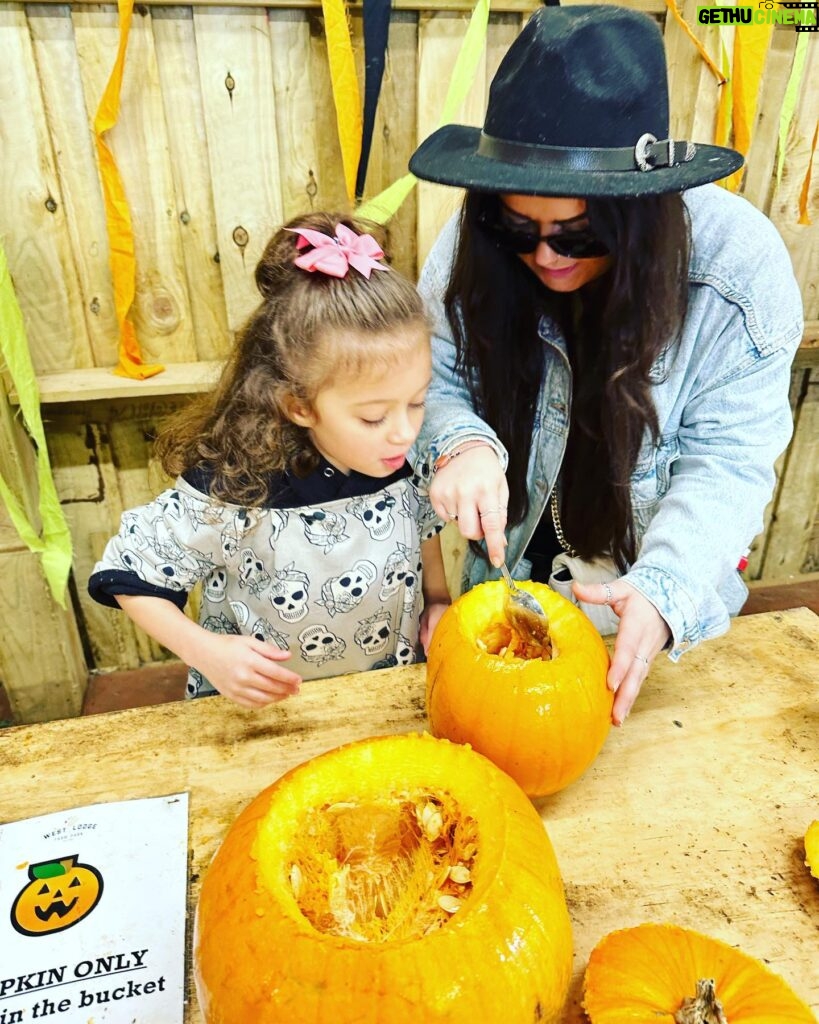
x: 466, y: 63
x: 345, y: 89
x: 53, y: 543
x: 675, y: 11
x: 751, y: 44
x: 384, y: 206
x: 804, y: 216
x: 791, y: 96
x: 117, y: 214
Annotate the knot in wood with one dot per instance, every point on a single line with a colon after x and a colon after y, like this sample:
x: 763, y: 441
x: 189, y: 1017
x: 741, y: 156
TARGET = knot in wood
x: 164, y: 312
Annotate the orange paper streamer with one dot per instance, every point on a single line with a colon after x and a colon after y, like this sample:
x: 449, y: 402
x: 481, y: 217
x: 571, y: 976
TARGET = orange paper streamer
x: 117, y: 214
x: 804, y: 216
x: 672, y: 6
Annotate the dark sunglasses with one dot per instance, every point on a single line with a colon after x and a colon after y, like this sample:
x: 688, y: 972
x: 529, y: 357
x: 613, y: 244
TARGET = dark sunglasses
x: 577, y: 245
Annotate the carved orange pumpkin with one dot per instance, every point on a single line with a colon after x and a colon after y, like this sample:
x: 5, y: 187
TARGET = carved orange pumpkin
x: 542, y: 721
x: 402, y: 879
x: 659, y: 972
x: 812, y: 848
x: 59, y: 894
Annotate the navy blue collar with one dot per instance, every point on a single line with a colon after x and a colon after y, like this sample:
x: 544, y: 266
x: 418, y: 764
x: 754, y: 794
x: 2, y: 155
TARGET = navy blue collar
x: 323, y: 485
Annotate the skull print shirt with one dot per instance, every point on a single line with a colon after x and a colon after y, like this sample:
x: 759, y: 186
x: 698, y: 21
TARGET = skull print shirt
x: 329, y: 569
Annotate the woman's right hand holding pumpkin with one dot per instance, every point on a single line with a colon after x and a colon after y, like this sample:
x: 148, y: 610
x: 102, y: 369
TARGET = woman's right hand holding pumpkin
x: 472, y: 490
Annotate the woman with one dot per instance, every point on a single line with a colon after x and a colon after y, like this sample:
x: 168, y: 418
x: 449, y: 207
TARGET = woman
x: 612, y: 357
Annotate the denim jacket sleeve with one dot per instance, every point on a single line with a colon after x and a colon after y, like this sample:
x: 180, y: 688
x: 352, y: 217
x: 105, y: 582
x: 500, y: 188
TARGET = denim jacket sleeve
x: 722, y: 429
x: 450, y: 419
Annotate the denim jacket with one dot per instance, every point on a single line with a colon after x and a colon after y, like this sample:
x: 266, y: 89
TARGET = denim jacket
x: 720, y: 389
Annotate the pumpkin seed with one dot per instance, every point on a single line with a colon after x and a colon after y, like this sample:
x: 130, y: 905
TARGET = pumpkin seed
x: 431, y: 821
x: 450, y: 904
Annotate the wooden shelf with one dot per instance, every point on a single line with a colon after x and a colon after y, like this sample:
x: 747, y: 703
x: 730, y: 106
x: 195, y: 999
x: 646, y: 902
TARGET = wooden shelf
x: 102, y: 384
x: 99, y: 384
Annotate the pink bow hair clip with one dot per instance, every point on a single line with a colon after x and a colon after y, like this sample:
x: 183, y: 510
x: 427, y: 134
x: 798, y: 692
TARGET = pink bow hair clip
x: 334, y: 256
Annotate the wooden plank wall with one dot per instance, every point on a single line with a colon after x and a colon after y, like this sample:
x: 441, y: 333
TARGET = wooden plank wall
x: 226, y: 128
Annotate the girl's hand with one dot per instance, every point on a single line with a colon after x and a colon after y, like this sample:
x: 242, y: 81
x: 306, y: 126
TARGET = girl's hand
x: 430, y: 617
x: 642, y: 634
x: 247, y: 670
x: 471, y: 489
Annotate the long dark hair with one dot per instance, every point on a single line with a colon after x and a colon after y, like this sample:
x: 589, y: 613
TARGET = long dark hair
x: 615, y: 327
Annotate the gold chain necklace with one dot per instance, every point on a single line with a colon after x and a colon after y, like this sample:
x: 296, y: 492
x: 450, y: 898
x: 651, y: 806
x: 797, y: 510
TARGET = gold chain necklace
x: 561, y: 536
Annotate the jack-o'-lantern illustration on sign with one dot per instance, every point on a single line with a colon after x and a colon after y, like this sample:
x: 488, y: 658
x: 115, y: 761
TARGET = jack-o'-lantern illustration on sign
x: 59, y: 893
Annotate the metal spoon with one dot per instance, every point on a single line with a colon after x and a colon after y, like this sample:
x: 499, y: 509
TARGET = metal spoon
x: 525, y: 611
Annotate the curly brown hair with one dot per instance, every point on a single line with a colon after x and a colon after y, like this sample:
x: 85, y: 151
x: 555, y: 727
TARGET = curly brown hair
x: 309, y: 329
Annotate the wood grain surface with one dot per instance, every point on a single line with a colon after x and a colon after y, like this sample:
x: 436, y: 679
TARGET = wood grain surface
x: 693, y: 813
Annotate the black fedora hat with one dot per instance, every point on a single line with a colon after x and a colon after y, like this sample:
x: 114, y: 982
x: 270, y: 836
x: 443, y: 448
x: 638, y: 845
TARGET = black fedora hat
x: 578, y: 107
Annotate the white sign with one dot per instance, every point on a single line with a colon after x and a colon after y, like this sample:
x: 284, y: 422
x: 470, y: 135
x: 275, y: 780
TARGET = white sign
x: 92, y: 914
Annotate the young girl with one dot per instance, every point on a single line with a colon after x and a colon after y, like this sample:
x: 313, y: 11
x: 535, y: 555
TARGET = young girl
x: 294, y: 504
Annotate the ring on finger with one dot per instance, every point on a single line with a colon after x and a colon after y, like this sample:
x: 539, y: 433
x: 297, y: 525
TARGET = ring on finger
x: 610, y: 598
x: 639, y: 657
x: 490, y: 511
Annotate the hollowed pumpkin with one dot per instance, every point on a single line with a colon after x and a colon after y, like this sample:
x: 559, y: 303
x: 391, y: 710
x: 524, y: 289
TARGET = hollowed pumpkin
x: 662, y: 974
x: 401, y: 879
x: 540, y: 716
x: 812, y: 848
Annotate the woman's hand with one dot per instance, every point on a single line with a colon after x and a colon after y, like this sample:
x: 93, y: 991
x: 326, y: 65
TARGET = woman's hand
x: 641, y: 636
x: 471, y: 489
x: 246, y: 670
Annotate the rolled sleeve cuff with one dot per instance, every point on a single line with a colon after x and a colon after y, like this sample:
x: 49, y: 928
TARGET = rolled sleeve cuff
x: 105, y: 583
x: 673, y: 603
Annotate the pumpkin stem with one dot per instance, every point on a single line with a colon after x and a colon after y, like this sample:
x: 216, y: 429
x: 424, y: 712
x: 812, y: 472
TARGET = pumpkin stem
x: 704, y: 1008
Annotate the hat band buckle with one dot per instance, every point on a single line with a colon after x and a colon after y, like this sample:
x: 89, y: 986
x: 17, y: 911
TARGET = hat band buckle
x: 648, y: 154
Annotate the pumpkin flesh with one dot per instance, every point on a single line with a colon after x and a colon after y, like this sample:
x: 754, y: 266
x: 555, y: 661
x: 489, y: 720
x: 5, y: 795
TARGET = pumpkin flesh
x: 398, y: 879
x: 395, y: 869
x: 542, y: 719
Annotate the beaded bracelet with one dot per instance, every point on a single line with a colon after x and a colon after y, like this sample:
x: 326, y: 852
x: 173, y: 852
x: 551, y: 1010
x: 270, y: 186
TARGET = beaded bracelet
x: 444, y: 460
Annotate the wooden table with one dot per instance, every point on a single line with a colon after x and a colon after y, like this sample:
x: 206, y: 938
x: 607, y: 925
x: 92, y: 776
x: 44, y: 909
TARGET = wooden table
x: 693, y: 813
